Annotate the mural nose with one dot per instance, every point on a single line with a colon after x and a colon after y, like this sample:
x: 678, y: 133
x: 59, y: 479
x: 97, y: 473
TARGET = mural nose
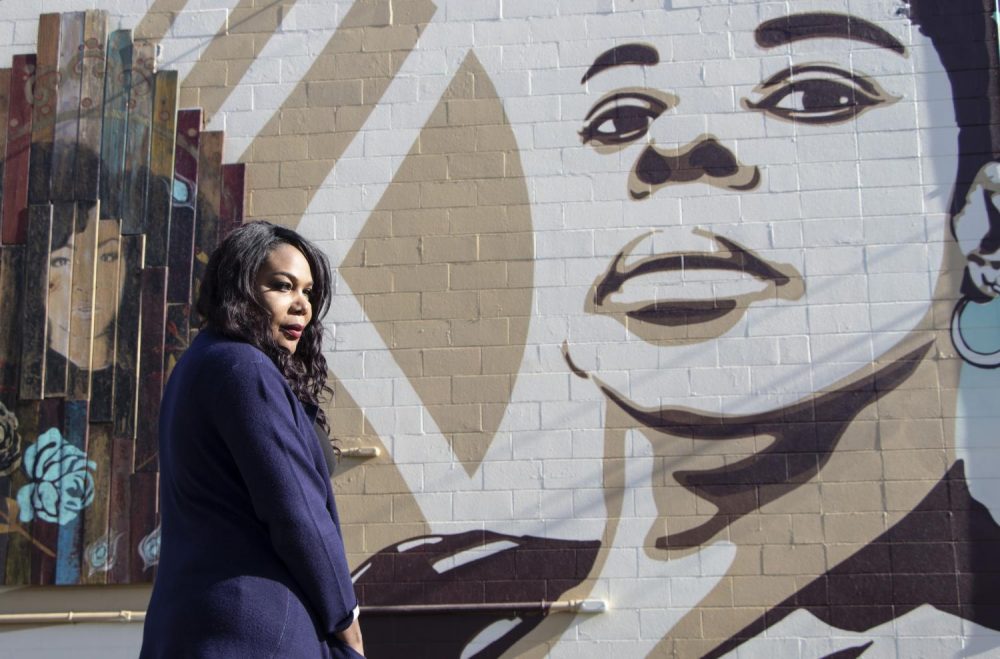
x: 705, y: 160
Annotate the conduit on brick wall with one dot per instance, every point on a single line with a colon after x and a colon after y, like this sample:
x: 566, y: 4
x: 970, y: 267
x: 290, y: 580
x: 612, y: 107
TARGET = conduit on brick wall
x: 559, y: 606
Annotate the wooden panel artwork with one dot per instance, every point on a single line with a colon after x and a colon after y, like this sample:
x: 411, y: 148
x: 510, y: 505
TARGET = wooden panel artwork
x: 107, y: 189
x: 18, y: 157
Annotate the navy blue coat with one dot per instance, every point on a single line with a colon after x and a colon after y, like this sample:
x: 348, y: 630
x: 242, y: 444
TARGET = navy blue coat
x: 252, y: 561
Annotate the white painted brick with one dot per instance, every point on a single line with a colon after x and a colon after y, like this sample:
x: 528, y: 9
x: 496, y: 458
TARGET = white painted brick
x: 897, y: 258
x: 561, y: 244
x: 834, y: 261
x: 574, y: 416
x: 827, y: 233
x: 525, y: 8
x: 518, y: 475
x: 828, y: 175
x: 727, y: 380
x: 826, y: 148
x: 199, y: 23
x: 544, y: 386
x: 771, y: 207
x: 473, y: 9
x: 899, y: 287
x: 483, y: 505
x: 777, y: 321
x: 749, y: 351
x: 794, y: 350
x: 841, y: 348
x: 892, y: 201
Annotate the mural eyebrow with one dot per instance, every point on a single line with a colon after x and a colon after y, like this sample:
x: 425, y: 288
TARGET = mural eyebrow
x: 630, y: 53
x: 785, y: 30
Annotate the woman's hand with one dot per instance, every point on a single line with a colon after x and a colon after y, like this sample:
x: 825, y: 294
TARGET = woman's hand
x: 352, y: 637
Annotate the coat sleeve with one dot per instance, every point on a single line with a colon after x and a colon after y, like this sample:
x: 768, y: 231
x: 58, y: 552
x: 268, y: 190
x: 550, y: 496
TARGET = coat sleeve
x: 255, y: 412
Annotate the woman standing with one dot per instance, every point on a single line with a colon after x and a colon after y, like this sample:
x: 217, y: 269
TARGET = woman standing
x: 252, y: 562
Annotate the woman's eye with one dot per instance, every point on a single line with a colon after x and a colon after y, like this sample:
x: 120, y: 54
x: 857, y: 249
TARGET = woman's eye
x: 282, y: 286
x: 308, y: 293
x: 59, y: 262
x: 621, y: 119
x: 110, y: 257
x: 819, y: 95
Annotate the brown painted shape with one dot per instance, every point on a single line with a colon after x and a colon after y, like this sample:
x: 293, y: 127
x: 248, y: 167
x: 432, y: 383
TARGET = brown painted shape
x: 184, y: 199
x: 59, y: 314
x: 93, y: 66
x: 333, y: 119
x: 138, y: 137
x: 34, y: 337
x: 95, y: 516
x: 206, y: 230
x: 454, y: 310
x: 126, y: 379
x: 18, y: 151
x: 66, y: 134
x: 161, y: 168
x: 154, y: 312
x: 81, y: 330
x: 44, y: 104
x: 11, y: 301
x: 106, y: 312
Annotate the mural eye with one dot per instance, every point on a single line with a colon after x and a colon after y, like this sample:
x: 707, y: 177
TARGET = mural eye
x: 827, y: 96
x: 621, y: 119
x: 59, y: 262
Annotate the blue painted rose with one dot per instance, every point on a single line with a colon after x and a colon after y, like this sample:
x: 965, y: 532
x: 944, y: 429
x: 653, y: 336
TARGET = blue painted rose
x: 61, y: 483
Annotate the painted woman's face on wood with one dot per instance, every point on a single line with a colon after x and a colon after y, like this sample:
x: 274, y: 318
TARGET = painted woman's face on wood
x: 66, y: 321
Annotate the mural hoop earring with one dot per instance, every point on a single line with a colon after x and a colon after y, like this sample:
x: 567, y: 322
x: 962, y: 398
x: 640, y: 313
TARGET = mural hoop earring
x: 965, y: 350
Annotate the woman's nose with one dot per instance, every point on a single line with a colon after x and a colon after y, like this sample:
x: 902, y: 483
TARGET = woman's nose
x: 705, y: 160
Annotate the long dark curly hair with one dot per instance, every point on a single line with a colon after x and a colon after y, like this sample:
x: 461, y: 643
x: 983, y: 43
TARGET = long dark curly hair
x: 228, y: 303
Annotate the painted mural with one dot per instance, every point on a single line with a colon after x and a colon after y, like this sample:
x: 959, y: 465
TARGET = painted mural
x: 675, y: 321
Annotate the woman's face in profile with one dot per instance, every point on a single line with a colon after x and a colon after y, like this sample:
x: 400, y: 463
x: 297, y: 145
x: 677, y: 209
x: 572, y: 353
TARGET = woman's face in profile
x: 284, y: 286
x: 770, y: 206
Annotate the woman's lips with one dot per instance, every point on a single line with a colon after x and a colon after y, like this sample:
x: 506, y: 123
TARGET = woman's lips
x: 686, y: 311
x: 293, y: 332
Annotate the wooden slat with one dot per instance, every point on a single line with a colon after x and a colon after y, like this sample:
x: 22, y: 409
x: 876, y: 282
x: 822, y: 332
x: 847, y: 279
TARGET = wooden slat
x: 93, y: 64
x: 44, y: 109
x: 67, y: 129
x: 206, y: 231
x: 137, y: 141
x: 115, y: 124
x: 182, y: 213
x: 4, y: 113
x: 99, y: 550
x: 17, y: 161
x: 105, y: 317
x: 60, y: 290
x: 154, y: 310
x: 142, y: 523
x: 178, y: 329
x: 126, y: 383
x: 5, y: 513
x: 11, y: 300
x: 34, y: 330
x: 69, y: 553
x: 45, y: 534
x: 81, y: 329
x: 233, y: 193
x: 161, y: 168
x: 18, y: 566
x: 118, y: 507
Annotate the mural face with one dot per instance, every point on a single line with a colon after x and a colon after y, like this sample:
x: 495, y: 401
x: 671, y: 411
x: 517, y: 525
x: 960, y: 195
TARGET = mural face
x: 688, y: 307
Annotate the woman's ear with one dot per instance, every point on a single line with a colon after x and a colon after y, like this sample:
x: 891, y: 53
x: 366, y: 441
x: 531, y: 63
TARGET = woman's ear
x: 977, y: 231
